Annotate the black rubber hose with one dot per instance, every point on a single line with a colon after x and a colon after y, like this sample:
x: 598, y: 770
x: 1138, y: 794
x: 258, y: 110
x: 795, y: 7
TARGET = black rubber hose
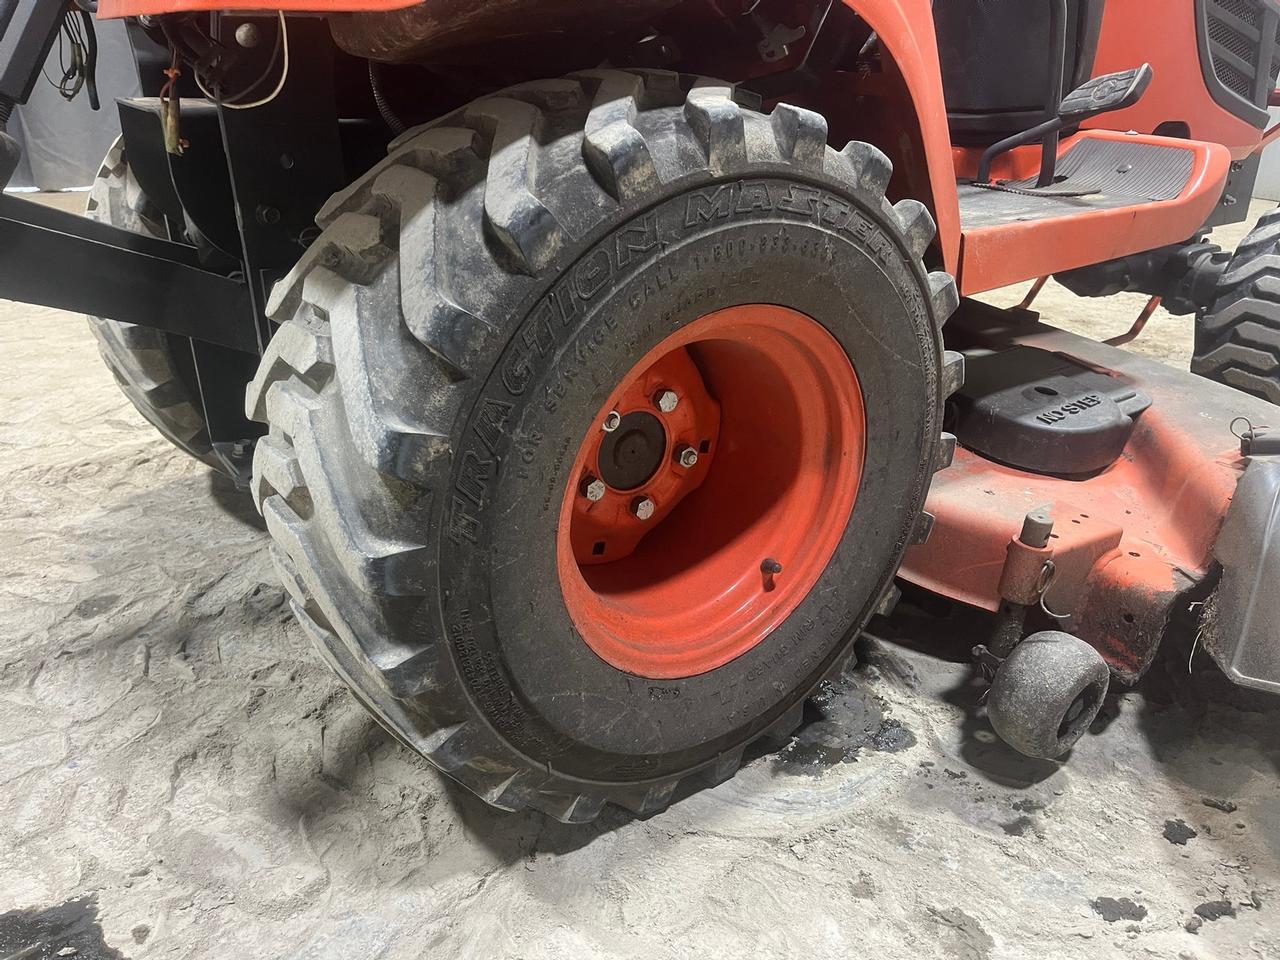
x: 384, y: 109
x: 90, y: 58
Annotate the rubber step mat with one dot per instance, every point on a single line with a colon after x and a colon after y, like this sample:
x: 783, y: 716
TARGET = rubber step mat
x: 1094, y: 174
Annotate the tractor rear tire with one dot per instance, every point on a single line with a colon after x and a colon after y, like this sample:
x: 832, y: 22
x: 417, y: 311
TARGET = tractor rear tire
x: 458, y: 329
x: 153, y: 368
x: 1237, y: 340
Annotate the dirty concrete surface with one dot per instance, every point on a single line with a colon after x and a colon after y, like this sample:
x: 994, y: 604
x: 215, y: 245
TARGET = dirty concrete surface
x: 183, y: 778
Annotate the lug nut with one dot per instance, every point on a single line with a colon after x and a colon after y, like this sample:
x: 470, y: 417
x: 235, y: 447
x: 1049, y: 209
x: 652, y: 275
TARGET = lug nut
x: 611, y: 421
x: 593, y: 489
x: 687, y: 457
x: 666, y: 400
x: 642, y: 507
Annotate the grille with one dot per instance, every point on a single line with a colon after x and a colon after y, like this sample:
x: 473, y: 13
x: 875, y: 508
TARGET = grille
x: 1242, y: 42
x: 1246, y: 11
x: 1275, y: 57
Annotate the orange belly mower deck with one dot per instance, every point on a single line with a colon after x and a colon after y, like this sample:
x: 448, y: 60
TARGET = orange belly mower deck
x: 1134, y: 543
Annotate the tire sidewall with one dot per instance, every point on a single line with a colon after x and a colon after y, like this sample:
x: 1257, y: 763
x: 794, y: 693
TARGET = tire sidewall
x: 799, y: 243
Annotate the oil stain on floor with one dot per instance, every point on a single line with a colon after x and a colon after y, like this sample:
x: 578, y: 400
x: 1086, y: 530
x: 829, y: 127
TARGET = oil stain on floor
x: 68, y: 930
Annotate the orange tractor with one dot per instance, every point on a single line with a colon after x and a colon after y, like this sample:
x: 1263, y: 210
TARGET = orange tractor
x: 600, y: 369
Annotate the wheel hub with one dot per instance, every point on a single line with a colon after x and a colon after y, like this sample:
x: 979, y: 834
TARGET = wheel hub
x: 631, y: 454
x: 635, y: 454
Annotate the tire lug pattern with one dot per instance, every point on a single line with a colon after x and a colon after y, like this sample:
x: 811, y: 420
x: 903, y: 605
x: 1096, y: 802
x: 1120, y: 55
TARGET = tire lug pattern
x: 801, y: 135
x: 869, y: 167
x: 917, y: 225
x: 1237, y: 339
x: 613, y: 149
x: 140, y: 358
x: 717, y: 123
x: 523, y: 225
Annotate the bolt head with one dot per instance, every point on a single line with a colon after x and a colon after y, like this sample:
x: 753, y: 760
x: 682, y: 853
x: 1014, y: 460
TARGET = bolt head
x: 687, y: 457
x: 594, y: 489
x: 643, y: 508
x: 248, y: 35
x: 611, y: 421
x: 667, y: 400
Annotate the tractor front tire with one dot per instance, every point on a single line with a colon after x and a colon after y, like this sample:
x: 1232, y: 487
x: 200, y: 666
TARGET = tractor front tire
x: 154, y: 369
x: 449, y: 374
x: 1237, y: 340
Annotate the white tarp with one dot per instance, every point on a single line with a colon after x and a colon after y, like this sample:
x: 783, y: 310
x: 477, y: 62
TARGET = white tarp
x: 63, y: 143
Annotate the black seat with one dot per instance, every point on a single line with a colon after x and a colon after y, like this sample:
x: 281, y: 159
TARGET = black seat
x: 995, y: 56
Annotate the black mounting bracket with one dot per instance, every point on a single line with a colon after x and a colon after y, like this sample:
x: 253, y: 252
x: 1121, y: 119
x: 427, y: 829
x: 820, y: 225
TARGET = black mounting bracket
x: 57, y: 259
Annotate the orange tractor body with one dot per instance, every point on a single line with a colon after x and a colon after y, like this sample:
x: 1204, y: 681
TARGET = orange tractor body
x: 985, y: 255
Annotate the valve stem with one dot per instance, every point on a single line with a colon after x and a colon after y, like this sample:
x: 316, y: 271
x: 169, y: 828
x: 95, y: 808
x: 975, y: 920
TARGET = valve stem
x: 769, y: 568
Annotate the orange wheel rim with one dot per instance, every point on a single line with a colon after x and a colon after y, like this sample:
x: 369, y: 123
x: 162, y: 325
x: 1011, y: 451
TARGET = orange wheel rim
x: 711, y: 491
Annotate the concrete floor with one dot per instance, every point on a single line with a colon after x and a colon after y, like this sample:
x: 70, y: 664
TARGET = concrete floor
x: 183, y: 778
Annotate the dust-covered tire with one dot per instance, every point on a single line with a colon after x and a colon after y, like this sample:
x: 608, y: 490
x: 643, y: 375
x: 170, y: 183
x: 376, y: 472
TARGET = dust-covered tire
x: 445, y: 344
x: 153, y: 368
x: 1237, y: 340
